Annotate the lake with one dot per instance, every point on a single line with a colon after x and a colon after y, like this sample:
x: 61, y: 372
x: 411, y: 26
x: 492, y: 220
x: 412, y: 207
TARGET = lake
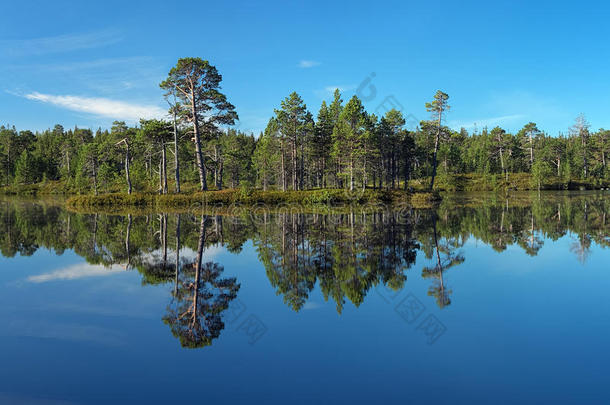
x: 485, y: 299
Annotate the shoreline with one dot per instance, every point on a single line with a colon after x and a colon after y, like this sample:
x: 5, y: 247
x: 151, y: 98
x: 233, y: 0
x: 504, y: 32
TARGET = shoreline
x: 416, y: 196
x: 254, y: 198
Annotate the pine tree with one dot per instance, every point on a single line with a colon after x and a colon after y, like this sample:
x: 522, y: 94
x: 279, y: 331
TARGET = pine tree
x: 321, y: 144
x: 293, y: 120
x: 266, y: 156
x: 437, y: 107
x: 580, y: 130
x: 348, y: 137
x: 197, y: 84
x: 500, y: 146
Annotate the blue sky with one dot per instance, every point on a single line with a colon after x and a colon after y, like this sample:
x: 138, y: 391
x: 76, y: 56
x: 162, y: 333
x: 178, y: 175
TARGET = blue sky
x: 88, y: 63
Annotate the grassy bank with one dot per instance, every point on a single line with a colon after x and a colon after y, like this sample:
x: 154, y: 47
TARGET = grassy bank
x: 48, y: 188
x: 497, y: 182
x: 329, y: 197
x: 417, y: 197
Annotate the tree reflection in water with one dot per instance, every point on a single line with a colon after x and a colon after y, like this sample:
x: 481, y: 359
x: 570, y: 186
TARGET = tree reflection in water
x: 199, y: 299
x: 345, y: 253
x: 450, y: 258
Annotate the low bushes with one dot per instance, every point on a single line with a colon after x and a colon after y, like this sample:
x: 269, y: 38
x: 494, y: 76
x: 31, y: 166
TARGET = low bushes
x: 240, y: 196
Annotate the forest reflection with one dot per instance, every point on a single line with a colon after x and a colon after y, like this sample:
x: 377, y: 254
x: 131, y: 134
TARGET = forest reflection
x: 344, y: 253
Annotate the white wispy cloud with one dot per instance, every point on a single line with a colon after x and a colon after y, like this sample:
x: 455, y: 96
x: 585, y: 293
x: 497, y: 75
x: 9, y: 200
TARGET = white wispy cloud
x: 91, y: 65
x: 103, y: 107
x: 305, y: 64
x: 486, y: 122
x: 329, y: 90
x: 59, y: 43
x: 77, y: 271
x: 312, y: 305
x: 84, y: 270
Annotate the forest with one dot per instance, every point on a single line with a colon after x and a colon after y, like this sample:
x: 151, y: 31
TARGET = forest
x: 198, y: 147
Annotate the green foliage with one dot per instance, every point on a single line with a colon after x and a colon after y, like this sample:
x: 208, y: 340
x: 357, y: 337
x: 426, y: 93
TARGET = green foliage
x: 345, y: 148
x: 27, y: 169
x: 540, y: 171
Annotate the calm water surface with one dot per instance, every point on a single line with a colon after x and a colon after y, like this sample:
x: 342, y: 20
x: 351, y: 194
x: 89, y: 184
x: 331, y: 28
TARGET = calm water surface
x: 483, y: 299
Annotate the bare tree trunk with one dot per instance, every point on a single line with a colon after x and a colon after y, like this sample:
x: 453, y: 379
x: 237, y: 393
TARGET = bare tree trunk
x: 163, y: 170
x: 220, y: 174
x: 164, y: 158
x: 216, y: 165
x: 558, y: 165
x: 436, y: 142
x: 160, y: 175
x: 127, y: 174
x: 531, y: 150
x: 176, y: 158
x: 502, y: 163
x: 199, y: 155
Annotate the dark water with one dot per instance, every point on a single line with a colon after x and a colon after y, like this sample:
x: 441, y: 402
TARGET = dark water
x: 482, y: 300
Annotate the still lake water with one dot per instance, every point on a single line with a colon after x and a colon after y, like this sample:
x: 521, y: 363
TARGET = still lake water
x: 484, y: 299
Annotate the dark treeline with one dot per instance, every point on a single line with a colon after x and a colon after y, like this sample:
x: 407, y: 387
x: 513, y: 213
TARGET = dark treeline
x: 342, y: 147
x: 345, y: 253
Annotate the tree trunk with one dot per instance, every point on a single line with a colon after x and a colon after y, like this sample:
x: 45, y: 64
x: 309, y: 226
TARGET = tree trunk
x: 220, y: 174
x: 176, y: 158
x: 294, y: 165
x: 127, y: 174
x: 164, y: 168
x: 436, y: 142
x: 198, y: 154
x: 351, y: 173
x: 558, y: 165
x: 364, y: 176
x: 406, y: 172
x: 531, y: 151
x: 584, y: 154
x: 216, y: 165
x: 283, y: 170
x: 393, y: 170
x: 323, y: 173
x: 160, y: 191
x: 502, y: 163
x: 94, y: 178
x: 219, y: 167
x: 302, y: 171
